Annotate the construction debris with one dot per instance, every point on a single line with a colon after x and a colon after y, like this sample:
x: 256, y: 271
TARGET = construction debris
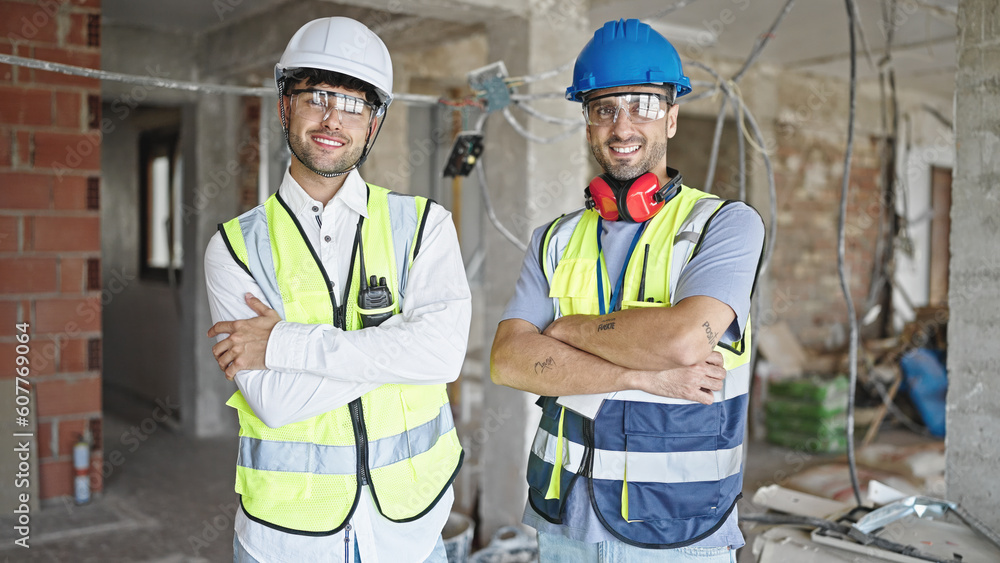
x: 915, y: 529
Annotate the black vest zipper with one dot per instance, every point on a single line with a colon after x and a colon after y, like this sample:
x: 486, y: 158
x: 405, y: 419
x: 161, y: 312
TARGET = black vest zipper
x: 587, y: 467
x: 357, y: 417
x: 360, y: 435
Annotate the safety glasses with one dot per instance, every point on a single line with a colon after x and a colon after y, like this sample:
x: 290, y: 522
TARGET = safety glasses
x: 319, y: 105
x: 641, y: 107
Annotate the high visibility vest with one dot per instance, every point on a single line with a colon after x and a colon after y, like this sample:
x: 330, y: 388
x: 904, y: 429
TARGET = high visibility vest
x: 306, y: 477
x: 661, y: 472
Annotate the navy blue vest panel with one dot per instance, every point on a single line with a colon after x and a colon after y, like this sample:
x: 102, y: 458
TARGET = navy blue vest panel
x: 666, y: 509
x: 657, y: 501
x: 668, y: 514
x: 653, y: 427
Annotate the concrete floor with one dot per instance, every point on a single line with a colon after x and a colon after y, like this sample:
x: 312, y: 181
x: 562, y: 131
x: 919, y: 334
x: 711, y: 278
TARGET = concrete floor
x: 171, y: 500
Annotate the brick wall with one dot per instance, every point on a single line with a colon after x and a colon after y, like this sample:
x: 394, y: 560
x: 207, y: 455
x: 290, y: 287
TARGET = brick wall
x: 50, y: 244
x: 811, y: 135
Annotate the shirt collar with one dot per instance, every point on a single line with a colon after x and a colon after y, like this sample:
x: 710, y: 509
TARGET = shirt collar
x: 353, y: 194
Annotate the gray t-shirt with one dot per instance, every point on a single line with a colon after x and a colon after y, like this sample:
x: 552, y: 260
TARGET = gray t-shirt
x: 725, y: 268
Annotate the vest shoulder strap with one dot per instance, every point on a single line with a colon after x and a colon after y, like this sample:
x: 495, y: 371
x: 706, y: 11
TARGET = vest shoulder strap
x: 690, y: 234
x: 232, y: 235
x: 555, y: 239
x: 408, y: 216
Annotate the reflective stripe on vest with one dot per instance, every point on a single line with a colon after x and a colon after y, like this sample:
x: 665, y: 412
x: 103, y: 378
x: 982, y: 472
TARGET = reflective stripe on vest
x: 306, y: 457
x: 664, y: 472
x: 649, y: 467
x: 305, y: 477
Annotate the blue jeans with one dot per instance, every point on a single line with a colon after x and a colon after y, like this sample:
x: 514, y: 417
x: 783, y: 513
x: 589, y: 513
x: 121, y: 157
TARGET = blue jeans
x: 240, y: 555
x: 554, y: 548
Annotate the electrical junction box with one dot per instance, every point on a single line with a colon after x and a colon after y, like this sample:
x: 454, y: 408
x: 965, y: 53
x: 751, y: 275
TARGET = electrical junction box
x: 490, y: 82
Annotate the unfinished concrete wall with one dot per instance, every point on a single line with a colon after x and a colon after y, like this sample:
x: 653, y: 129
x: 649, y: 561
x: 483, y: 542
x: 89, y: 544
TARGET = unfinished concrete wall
x: 215, y: 199
x: 973, y: 443
x: 530, y: 183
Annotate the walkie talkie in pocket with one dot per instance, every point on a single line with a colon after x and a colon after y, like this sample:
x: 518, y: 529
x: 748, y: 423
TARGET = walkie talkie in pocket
x: 375, y: 303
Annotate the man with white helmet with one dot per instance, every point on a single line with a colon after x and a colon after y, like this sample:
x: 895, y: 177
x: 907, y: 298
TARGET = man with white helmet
x: 643, y: 300
x: 341, y: 310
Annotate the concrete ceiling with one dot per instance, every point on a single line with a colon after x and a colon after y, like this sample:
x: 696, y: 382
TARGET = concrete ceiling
x: 812, y: 38
x: 181, y: 15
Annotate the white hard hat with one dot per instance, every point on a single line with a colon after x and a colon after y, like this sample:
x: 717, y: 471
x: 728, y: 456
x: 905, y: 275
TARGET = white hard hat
x: 342, y: 45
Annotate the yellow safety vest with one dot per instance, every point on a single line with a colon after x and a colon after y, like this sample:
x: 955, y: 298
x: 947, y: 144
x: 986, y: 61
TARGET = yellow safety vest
x: 306, y: 477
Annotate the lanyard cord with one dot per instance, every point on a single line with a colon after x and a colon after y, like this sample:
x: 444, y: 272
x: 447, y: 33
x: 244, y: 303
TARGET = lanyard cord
x: 616, y: 294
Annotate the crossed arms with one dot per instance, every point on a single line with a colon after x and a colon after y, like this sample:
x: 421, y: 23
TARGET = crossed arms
x: 290, y: 372
x: 663, y: 351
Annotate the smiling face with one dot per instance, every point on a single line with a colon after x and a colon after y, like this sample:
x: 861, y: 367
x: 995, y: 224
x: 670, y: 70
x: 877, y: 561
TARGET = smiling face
x: 324, y: 146
x: 626, y: 150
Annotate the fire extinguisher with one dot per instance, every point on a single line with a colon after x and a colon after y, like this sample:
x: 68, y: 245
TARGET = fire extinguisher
x: 81, y: 469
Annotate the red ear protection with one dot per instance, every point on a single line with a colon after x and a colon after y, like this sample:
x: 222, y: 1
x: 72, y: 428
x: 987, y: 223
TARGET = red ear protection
x: 635, y: 200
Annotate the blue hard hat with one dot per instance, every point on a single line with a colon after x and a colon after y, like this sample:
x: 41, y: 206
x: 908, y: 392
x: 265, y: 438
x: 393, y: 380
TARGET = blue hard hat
x: 625, y: 53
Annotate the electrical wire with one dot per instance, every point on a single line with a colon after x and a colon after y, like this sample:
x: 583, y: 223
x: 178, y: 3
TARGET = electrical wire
x: 157, y: 82
x: 544, y: 75
x: 772, y: 226
x: 747, y: 116
x: 742, y: 117
x: 741, y: 149
x: 735, y: 97
x: 711, y: 90
x: 539, y: 96
x: 484, y: 188
x: 266, y: 92
x: 151, y: 81
x: 795, y: 520
x: 864, y: 38
x: 938, y: 115
x: 841, y: 230
x: 545, y: 117
x: 845, y: 530
x: 669, y: 10
x: 419, y: 99
x: 758, y: 145
x: 763, y: 40
x: 755, y: 53
x: 713, y: 155
x: 531, y: 136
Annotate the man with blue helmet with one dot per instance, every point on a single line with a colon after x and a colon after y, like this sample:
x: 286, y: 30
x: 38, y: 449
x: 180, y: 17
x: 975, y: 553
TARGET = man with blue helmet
x: 641, y: 300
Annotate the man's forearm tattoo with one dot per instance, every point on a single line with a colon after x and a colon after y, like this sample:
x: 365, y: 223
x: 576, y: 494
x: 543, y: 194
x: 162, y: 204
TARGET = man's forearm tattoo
x: 713, y: 337
x: 540, y: 367
x: 606, y: 325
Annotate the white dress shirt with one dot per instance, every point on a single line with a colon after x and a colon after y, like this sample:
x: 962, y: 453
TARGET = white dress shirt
x: 312, y: 369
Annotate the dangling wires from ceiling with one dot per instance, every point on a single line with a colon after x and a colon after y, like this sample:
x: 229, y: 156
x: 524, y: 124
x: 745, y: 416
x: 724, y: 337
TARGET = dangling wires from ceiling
x: 841, y: 267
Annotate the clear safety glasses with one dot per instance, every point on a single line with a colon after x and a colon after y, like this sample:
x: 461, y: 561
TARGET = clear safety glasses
x: 319, y: 105
x: 640, y: 107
